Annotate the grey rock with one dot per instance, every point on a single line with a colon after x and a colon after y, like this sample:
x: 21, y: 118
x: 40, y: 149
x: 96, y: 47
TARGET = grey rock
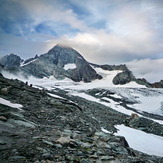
x: 63, y: 140
x: 94, y: 156
x: 147, y: 125
x: 123, y: 78
x: 3, y: 118
x: 58, y: 145
x: 84, y: 161
x: 48, y: 142
x: 17, y: 158
x: 10, y: 62
x: 46, y: 155
x: 2, y: 142
x: 107, y: 157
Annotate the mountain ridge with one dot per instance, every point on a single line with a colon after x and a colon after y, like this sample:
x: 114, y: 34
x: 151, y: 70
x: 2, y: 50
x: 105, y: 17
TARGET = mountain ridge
x: 52, y: 64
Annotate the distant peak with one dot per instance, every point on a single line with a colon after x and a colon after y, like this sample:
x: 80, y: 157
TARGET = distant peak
x: 60, y: 47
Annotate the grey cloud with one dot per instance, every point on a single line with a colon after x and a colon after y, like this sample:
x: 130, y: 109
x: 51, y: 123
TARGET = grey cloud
x: 150, y: 69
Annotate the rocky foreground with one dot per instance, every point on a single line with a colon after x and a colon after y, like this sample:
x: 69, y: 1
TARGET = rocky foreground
x: 52, y: 130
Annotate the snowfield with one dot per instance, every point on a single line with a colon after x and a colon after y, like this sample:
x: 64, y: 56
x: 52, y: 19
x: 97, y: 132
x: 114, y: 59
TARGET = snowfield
x: 151, y: 102
x: 112, y: 104
x: 10, y: 104
x: 141, y: 141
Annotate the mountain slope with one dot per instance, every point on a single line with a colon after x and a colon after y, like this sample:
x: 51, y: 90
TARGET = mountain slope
x: 54, y: 126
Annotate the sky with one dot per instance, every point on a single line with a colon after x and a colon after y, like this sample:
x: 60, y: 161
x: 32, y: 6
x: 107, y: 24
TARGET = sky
x: 104, y: 31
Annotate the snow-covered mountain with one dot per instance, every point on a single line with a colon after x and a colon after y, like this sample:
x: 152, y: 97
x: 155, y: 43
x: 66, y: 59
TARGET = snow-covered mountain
x: 63, y: 62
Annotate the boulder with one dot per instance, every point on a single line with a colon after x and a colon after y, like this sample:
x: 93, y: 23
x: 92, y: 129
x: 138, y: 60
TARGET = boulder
x: 123, y: 78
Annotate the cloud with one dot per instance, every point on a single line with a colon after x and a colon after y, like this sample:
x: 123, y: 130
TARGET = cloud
x: 102, y: 47
x: 150, y: 69
x: 105, y: 32
x: 23, y: 47
x: 52, y: 11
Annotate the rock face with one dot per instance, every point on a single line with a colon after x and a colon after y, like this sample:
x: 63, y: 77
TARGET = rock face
x: 123, y: 77
x: 30, y: 59
x: 158, y: 84
x: 10, y: 62
x: 143, y: 82
x: 53, y: 62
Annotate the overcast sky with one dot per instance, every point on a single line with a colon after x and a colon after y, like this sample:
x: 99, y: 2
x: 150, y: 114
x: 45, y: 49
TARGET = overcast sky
x: 103, y: 31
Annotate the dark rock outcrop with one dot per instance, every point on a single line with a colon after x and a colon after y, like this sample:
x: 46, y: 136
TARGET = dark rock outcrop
x: 146, y: 125
x: 158, y: 84
x: 143, y: 82
x: 123, y: 77
x: 10, y: 62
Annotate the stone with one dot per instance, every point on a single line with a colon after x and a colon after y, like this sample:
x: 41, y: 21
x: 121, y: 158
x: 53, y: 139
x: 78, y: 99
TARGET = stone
x: 2, y: 142
x: 86, y: 145
x: 47, y: 161
x: 17, y: 158
x: 46, y: 155
x: 58, y: 145
x: 3, y: 118
x: 48, y: 142
x: 94, y: 156
x: 107, y: 157
x: 84, y: 161
x: 63, y: 140
x: 108, y: 146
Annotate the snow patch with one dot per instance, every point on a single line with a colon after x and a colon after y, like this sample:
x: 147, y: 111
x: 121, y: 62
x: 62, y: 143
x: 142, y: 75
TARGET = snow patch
x: 105, y: 131
x: 116, y: 96
x: 24, y: 64
x: 10, y: 104
x: 56, y: 96
x: 69, y: 66
x: 147, y: 143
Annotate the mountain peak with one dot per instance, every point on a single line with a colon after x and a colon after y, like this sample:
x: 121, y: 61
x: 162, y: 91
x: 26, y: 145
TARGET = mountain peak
x: 63, y: 46
x: 11, y: 61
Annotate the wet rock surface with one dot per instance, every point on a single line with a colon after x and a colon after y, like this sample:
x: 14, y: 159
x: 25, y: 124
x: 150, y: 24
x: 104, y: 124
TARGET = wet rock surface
x: 53, y: 130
